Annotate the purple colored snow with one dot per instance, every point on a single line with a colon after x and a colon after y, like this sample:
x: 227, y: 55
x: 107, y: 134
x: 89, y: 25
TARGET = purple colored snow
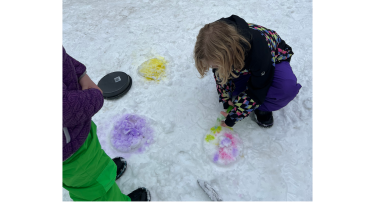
x: 216, y: 157
x: 131, y: 132
x: 225, y: 142
x: 235, y: 152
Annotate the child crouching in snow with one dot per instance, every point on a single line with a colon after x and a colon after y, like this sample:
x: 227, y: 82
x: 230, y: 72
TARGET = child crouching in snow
x: 88, y: 173
x: 251, y: 68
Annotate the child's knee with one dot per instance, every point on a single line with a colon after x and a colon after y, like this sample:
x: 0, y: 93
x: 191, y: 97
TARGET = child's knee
x: 291, y: 89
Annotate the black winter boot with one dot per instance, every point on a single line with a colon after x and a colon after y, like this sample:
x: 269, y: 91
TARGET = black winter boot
x: 141, y: 194
x: 263, y: 118
x: 121, y: 166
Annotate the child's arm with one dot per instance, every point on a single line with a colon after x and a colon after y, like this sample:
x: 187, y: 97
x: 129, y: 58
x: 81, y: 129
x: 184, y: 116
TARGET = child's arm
x: 87, y: 83
x: 80, y: 105
x: 79, y: 67
x: 243, y: 106
x: 224, y: 91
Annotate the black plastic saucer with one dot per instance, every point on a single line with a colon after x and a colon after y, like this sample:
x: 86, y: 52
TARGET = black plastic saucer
x: 114, y: 85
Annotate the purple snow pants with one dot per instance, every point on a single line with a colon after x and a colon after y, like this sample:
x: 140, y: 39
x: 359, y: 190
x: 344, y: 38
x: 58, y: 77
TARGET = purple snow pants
x: 284, y: 88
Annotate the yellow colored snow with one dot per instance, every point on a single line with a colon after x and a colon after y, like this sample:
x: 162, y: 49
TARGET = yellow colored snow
x: 153, y: 69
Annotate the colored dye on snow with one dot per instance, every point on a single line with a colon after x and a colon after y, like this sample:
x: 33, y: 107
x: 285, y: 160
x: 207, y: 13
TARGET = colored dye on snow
x: 131, y: 132
x: 209, y: 138
x: 153, y: 69
x: 223, y: 155
x: 225, y: 142
x: 216, y: 157
x: 216, y: 130
x: 222, y: 146
x: 228, y: 135
x: 235, y: 152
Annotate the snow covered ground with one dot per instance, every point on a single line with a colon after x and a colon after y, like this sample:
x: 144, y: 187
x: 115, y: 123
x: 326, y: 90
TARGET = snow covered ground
x: 119, y: 35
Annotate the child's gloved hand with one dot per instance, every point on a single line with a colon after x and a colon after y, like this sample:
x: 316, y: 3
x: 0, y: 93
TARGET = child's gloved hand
x: 225, y: 115
x: 87, y: 83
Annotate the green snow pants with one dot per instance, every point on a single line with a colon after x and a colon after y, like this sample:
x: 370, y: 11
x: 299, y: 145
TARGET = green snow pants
x: 90, y: 174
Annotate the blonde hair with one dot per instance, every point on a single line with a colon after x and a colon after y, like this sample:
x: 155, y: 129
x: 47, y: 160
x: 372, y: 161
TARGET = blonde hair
x: 220, y: 43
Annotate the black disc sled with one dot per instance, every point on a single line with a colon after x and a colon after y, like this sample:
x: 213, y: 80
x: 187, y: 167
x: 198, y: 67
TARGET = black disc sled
x: 115, y: 85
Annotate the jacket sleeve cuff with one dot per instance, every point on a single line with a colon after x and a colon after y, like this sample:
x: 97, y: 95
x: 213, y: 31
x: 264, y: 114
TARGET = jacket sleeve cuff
x: 83, y: 74
x: 229, y: 122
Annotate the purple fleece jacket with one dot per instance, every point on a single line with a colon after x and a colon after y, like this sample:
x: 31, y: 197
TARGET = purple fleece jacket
x: 78, y: 106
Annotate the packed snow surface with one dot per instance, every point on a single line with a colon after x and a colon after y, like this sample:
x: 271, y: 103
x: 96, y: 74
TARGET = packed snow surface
x: 120, y: 35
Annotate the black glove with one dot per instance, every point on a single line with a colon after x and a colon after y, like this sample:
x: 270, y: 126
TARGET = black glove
x: 225, y: 105
x: 229, y: 122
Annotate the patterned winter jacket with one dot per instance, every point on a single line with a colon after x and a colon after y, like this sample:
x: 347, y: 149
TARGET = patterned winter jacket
x: 78, y: 106
x: 255, y: 79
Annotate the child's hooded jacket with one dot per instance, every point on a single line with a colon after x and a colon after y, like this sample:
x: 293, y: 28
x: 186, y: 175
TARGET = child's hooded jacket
x: 255, y: 79
x: 78, y: 106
